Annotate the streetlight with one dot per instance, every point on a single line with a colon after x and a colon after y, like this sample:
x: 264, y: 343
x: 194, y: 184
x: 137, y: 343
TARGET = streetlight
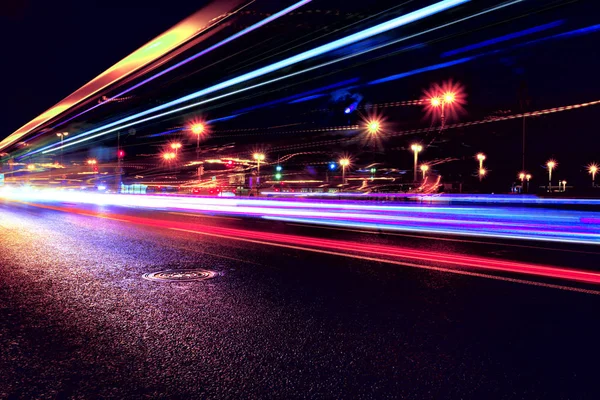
x: 258, y: 157
x: 551, y: 164
x: 522, y: 178
x: 198, y: 129
x: 344, y: 162
x: 482, y: 173
x: 592, y: 169
x: 528, y: 177
x: 373, y: 127
x: 424, y: 169
x: 176, y: 146
x: 446, y: 99
x: 481, y: 158
x: 62, y: 135
x: 564, y: 186
x: 416, y: 148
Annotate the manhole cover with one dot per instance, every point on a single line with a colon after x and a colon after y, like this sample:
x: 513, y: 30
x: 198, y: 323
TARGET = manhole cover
x: 182, y: 275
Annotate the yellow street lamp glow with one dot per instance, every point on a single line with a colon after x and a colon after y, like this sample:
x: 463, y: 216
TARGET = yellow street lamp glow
x: 169, y: 156
x: 522, y: 176
x: 92, y: 162
x: 259, y: 156
x: 449, y: 97
x: 424, y: 167
x: 551, y: 164
x: 31, y: 167
x: 175, y: 146
x: 593, y: 169
x: 416, y: 148
x: 482, y: 172
x: 198, y: 129
x: 344, y: 162
x: 528, y: 177
x: 373, y: 127
x: 481, y: 156
x: 435, y: 101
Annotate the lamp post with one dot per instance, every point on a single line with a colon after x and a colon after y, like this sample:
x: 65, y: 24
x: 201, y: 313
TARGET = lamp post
x: 442, y: 101
x: 198, y: 129
x: 528, y: 177
x: 258, y: 157
x: 564, y: 183
x: 373, y: 127
x: 592, y: 169
x: 416, y: 148
x: 62, y: 135
x: 176, y: 146
x: 344, y: 162
x: 522, y: 178
x: 424, y: 169
x: 551, y: 164
x: 481, y: 158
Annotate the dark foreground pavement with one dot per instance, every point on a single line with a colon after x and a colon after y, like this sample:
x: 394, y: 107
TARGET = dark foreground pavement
x: 78, y: 321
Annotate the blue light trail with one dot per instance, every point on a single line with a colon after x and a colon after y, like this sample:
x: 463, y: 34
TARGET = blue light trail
x: 356, y: 37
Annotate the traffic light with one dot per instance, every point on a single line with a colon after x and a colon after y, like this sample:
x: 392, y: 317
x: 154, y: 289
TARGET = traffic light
x: 120, y: 153
x: 332, y: 166
x: 278, y: 170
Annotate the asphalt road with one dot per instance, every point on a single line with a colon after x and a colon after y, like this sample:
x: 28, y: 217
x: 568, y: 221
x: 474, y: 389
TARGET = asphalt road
x: 77, y: 320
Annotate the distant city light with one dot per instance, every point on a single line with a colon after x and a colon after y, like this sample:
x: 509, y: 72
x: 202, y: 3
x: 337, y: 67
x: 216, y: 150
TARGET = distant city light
x: 373, y: 127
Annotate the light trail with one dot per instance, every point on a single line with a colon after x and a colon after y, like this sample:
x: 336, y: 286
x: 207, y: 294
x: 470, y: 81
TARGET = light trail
x: 544, y: 225
x: 199, y: 54
x: 156, y: 48
x: 430, y: 260
x: 323, y: 49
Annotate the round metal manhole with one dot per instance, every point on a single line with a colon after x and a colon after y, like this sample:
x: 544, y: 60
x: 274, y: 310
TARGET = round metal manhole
x: 181, y: 275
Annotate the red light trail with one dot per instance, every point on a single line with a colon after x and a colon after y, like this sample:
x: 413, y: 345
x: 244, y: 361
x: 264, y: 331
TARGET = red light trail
x: 457, y: 263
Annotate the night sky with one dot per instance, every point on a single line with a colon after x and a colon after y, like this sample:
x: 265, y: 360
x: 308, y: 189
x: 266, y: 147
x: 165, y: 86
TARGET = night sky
x: 51, y: 48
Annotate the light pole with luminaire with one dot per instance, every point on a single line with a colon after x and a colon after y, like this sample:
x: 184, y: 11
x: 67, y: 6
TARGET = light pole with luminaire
x: 424, y: 169
x: 441, y: 101
x: 551, y: 164
x: 528, y: 177
x: 176, y: 147
x: 564, y: 183
x: 344, y: 162
x: 198, y: 129
x: 258, y: 157
x: 522, y: 178
x: 416, y: 148
x: 592, y: 169
x: 62, y: 135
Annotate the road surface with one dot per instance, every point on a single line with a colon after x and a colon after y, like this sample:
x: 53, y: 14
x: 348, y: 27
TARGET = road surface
x: 282, y: 319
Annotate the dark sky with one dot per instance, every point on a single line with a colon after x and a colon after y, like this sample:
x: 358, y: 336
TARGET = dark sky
x: 51, y: 48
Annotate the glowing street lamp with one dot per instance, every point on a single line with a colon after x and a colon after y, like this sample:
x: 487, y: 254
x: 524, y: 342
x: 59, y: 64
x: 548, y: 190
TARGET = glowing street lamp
x: 198, y: 129
x: 592, y: 169
x: 373, y: 127
x: 522, y: 178
x: 564, y: 183
x: 344, y: 162
x: 169, y: 156
x: 31, y: 167
x: 91, y: 161
x: 528, y: 177
x: 258, y: 157
x: 176, y: 146
x: 482, y: 173
x: 481, y: 158
x: 551, y: 164
x: 424, y: 169
x: 62, y: 135
x: 416, y: 148
x: 446, y: 99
